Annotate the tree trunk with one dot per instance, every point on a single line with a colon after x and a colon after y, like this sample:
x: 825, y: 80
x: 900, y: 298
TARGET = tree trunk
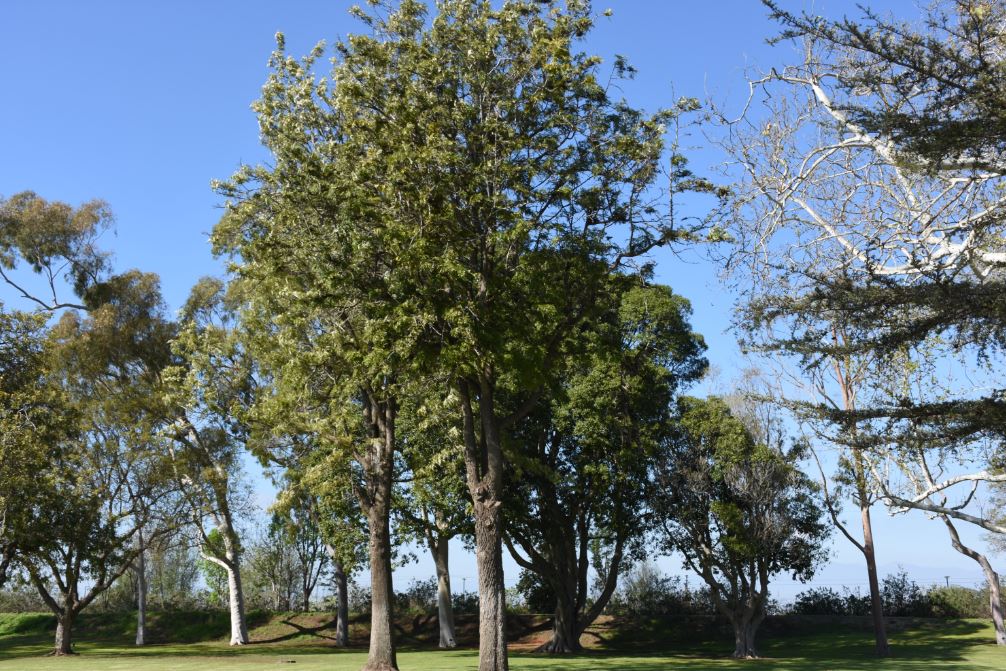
x: 64, y: 632
x: 445, y: 605
x: 995, y: 599
x: 141, y: 598
x: 882, y: 647
x: 341, y: 601
x: 382, y: 645
x: 235, y: 591
x: 307, y: 600
x: 744, y: 637
x: 996, y: 604
x: 565, y: 627
x: 492, y: 591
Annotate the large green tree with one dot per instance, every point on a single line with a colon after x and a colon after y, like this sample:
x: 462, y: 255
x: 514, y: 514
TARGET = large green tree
x: 110, y: 482
x: 447, y: 203
x: 579, y: 485
x: 734, y: 503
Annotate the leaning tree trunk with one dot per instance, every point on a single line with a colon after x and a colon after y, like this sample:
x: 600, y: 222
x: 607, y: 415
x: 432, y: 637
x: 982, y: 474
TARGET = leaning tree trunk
x: 882, y: 648
x: 141, y: 597
x: 445, y: 606
x: 995, y: 599
x: 64, y: 632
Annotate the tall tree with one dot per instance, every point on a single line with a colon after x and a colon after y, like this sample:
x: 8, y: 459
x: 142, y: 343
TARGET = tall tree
x: 472, y: 181
x: 736, y: 506
x: 111, y: 483
x: 36, y: 422
x: 580, y: 481
x: 206, y: 393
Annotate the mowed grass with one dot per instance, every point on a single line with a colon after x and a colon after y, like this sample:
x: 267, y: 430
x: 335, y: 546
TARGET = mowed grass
x: 797, y: 645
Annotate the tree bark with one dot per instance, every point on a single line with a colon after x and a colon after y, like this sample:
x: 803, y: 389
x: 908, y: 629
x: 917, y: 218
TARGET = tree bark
x: 484, y: 475
x: 745, y: 629
x: 882, y: 647
x: 382, y: 646
x: 235, y: 590
x: 341, y: 604
x: 64, y: 633
x: 141, y: 597
x: 445, y: 606
x: 492, y: 591
x: 381, y: 656
x: 565, y: 627
x: 995, y: 599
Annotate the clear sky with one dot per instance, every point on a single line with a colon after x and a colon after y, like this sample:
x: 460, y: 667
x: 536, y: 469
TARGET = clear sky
x: 143, y: 103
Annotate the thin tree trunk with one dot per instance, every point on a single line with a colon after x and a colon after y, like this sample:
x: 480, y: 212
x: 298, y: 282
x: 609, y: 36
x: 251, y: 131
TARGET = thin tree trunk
x: 882, y: 647
x: 141, y: 597
x: 341, y: 604
x: 995, y: 599
x: 445, y: 606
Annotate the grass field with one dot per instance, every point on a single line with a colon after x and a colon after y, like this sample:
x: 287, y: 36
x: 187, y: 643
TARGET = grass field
x: 786, y: 645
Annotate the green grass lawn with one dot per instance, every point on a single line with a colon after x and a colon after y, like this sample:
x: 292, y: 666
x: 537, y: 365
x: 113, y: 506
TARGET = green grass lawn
x: 800, y: 646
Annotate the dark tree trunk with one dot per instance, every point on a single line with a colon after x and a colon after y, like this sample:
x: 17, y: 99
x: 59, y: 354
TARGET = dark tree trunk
x: 882, y: 648
x: 484, y: 475
x: 382, y: 646
x: 745, y: 628
x: 492, y: 592
x: 341, y: 603
x: 445, y: 607
x: 64, y: 632
x: 378, y: 507
x: 307, y: 599
x: 565, y: 627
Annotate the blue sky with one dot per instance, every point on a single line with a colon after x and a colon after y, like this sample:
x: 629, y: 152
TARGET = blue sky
x: 143, y: 103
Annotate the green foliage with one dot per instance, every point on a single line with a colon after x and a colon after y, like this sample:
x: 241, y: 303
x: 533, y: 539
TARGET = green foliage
x: 738, y: 509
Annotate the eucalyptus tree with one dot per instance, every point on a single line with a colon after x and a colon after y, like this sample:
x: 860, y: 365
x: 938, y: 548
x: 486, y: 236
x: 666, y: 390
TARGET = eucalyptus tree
x: 59, y: 243
x: 580, y: 477
x: 432, y: 505
x: 36, y: 423
x: 451, y: 198
x: 870, y: 216
x: 733, y: 502
x: 110, y: 482
x: 206, y: 393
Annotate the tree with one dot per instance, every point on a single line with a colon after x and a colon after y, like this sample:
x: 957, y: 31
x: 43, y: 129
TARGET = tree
x: 867, y: 224
x: 58, y: 242
x: 472, y: 181
x: 36, y: 421
x: 580, y: 481
x: 206, y: 393
x: 297, y: 526
x: 736, y: 506
x: 109, y: 484
x: 432, y: 506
